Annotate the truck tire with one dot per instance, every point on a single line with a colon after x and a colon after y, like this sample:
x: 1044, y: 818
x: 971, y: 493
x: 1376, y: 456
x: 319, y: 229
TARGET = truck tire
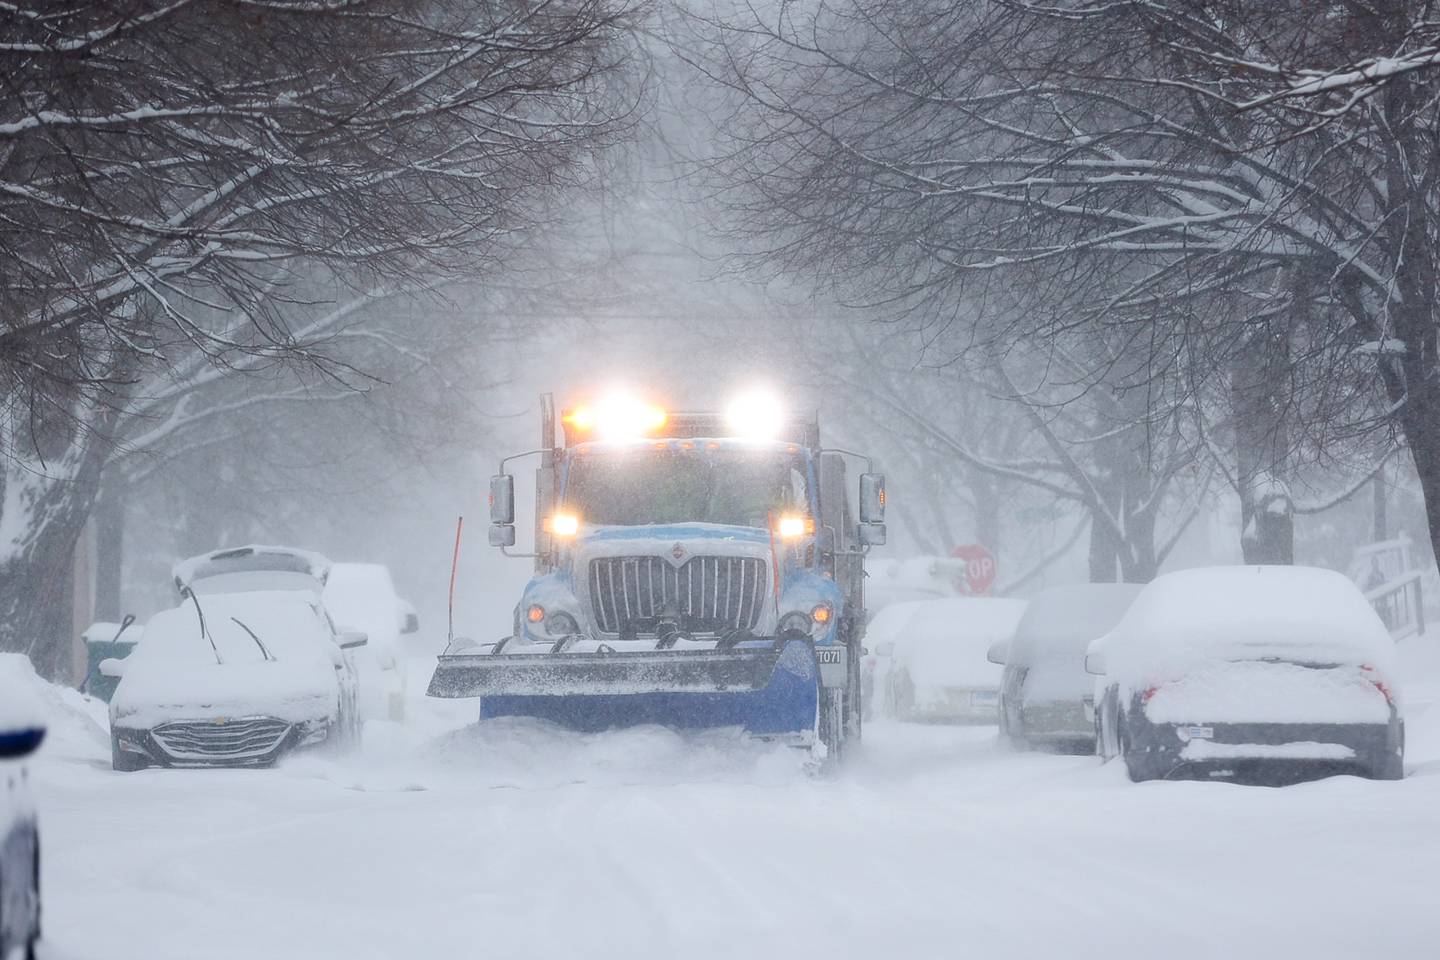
x: 831, y: 725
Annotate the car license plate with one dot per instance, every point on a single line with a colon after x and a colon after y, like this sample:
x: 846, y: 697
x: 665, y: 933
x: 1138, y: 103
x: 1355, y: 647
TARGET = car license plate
x: 984, y: 698
x: 1197, y: 733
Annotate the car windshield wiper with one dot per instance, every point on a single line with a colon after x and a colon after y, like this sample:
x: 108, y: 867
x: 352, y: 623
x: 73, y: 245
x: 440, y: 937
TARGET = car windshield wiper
x: 204, y: 631
x: 264, y: 652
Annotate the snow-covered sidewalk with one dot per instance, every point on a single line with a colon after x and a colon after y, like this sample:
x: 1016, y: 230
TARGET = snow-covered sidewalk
x: 516, y: 840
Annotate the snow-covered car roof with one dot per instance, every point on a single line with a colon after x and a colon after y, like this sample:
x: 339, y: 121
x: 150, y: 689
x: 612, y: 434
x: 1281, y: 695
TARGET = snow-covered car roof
x: 252, y: 567
x: 944, y: 642
x: 1062, y: 621
x: 1304, y: 614
x: 888, y: 621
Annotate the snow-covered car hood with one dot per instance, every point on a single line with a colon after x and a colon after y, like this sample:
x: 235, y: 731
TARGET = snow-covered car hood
x: 265, y: 653
x: 290, y: 691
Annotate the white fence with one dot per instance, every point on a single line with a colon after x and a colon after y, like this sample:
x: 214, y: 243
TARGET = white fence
x: 1391, y: 584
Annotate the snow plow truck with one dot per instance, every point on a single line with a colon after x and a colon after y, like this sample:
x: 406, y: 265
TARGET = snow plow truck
x: 693, y: 570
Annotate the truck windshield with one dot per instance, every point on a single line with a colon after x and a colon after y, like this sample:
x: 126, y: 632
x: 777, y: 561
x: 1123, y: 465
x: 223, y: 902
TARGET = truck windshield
x: 634, y: 486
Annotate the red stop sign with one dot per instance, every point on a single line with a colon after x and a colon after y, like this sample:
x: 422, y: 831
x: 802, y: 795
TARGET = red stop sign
x: 980, y: 567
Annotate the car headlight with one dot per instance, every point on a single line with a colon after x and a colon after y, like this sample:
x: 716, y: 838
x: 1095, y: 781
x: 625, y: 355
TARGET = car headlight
x: 561, y: 624
x: 313, y: 731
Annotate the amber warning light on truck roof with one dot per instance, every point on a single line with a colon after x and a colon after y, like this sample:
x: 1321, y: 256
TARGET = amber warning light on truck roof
x: 616, y: 418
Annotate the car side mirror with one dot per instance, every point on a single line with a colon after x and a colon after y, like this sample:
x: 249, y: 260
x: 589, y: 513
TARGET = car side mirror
x: 502, y: 535
x: 502, y: 499
x: 871, y: 534
x: 999, y: 652
x: 872, y: 498
x: 351, y: 640
x: 1095, y: 663
x: 112, y: 668
x: 412, y: 623
x: 20, y: 743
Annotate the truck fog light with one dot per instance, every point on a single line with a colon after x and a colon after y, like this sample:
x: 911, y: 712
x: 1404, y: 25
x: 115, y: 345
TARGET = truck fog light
x: 535, y: 614
x: 561, y: 625
x: 795, y: 623
x: 821, y: 614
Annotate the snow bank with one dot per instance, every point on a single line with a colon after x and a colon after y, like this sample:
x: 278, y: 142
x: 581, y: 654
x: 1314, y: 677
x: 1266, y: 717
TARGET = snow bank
x: 943, y: 643
x: 75, y: 724
x: 1183, y: 620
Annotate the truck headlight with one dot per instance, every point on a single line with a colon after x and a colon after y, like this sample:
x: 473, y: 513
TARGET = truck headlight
x: 560, y: 624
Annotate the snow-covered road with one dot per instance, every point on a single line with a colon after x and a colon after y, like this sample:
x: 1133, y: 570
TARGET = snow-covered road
x: 448, y: 840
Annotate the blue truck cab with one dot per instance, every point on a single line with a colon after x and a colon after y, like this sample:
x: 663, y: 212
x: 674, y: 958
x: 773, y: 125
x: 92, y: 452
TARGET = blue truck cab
x: 689, y: 572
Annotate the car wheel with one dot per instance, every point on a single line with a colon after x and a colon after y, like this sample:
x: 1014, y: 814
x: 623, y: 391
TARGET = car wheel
x: 1137, y: 764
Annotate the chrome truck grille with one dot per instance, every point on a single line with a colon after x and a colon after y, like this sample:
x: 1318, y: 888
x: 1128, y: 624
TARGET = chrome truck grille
x: 710, y: 594
x: 216, y: 740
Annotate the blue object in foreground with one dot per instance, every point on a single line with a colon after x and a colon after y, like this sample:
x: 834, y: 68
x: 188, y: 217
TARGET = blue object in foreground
x: 785, y: 706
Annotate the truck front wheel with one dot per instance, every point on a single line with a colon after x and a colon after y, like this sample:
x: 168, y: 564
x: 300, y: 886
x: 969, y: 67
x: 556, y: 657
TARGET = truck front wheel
x: 831, y: 724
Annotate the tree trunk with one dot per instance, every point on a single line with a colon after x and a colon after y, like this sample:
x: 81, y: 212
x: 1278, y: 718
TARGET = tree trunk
x: 1380, y: 529
x: 1259, y: 392
x: 44, y: 505
x: 987, y: 512
x: 109, y: 554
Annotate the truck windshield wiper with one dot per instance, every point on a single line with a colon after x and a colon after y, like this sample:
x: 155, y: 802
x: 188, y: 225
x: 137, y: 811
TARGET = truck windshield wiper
x: 204, y: 631
x: 264, y: 652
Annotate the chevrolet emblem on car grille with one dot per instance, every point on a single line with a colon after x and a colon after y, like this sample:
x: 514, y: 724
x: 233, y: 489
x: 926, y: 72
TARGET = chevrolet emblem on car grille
x: 678, y: 553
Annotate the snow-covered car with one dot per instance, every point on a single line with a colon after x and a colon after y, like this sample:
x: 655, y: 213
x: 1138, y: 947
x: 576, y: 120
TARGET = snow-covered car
x: 880, y: 637
x: 22, y: 728
x: 1268, y: 673
x: 939, y: 669
x: 1045, y: 693
x: 251, y: 568
x: 234, y: 679
x: 361, y: 597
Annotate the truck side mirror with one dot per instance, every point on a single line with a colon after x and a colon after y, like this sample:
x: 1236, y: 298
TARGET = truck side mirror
x: 871, y: 534
x: 502, y: 499
x: 999, y: 652
x: 872, y: 498
x: 502, y: 534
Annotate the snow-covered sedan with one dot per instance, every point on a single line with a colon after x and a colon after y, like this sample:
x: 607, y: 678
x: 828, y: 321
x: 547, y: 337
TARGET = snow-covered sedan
x: 21, y: 730
x: 1045, y: 694
x: 939, y: 670
x: 1268, y: 673
x: 233, y: 679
